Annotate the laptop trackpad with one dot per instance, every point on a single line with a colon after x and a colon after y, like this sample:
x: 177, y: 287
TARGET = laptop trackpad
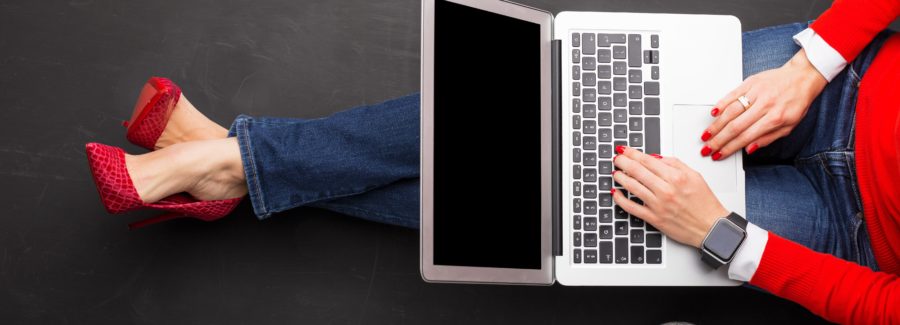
x: 688, y: 124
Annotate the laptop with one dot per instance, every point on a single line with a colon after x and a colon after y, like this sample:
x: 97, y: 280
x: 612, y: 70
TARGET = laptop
x: 521, y: 112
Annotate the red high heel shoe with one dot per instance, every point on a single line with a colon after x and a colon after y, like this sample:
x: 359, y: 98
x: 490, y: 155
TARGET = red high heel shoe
x: 152, y: 111
x: 119, y: 195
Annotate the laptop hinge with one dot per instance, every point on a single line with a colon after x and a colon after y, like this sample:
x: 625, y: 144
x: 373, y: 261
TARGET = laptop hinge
x: 556, y: 146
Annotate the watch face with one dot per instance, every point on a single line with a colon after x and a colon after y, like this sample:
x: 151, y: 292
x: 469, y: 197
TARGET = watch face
x: 724, y: 239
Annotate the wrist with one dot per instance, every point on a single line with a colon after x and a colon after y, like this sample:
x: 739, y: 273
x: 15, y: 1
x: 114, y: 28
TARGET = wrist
x: 808, y: 73
x: 708, y: 224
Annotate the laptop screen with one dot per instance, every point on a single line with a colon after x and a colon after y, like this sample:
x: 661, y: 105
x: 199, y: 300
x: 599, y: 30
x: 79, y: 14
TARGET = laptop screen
x: 487, y: 139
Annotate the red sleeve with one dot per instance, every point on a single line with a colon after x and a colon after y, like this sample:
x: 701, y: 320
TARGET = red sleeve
x: 849, y: 25
x: 837, y: 290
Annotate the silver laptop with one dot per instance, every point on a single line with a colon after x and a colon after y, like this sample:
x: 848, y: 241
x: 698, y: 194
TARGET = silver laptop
x: 520, y: 114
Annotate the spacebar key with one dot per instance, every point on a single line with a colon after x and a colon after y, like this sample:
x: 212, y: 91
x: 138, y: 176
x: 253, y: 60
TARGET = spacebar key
x: 651, y: 135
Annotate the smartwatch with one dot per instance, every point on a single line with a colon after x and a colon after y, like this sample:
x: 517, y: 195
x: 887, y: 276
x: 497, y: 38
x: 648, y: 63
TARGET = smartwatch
x: 723, y: 240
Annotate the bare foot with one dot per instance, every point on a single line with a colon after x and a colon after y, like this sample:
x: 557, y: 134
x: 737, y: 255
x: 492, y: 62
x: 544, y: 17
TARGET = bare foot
x: 206, y: 169
x: 188, y: 124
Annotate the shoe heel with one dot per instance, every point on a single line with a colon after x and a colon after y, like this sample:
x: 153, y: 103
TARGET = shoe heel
x: 154, y: 220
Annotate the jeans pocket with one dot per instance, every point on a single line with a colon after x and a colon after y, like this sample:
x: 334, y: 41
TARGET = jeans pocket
x: 862, y: 246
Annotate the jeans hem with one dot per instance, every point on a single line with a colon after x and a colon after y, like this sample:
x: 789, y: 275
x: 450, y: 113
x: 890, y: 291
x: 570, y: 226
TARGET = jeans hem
x: 240, y: 129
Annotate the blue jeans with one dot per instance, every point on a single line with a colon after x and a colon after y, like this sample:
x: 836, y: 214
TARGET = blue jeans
x: 364, y: 162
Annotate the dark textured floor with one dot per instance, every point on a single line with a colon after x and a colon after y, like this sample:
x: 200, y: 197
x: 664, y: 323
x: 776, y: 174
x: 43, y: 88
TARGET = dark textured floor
x: 69, y: 72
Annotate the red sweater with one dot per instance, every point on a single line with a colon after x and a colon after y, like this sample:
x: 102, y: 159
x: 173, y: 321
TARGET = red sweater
x: 835, y: 289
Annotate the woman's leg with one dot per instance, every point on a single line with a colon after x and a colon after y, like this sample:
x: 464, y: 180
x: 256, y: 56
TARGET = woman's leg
x: 362, y: 161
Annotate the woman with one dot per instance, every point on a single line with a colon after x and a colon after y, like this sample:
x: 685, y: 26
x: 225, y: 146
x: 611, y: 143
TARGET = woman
x: 820, y: 125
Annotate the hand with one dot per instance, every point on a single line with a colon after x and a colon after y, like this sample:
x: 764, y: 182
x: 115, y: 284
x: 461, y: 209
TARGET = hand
x: 677, y: 200
x: 779, y: 98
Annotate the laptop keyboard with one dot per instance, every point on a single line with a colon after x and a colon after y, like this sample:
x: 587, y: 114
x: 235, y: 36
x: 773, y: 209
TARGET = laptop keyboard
x: 615, y: 88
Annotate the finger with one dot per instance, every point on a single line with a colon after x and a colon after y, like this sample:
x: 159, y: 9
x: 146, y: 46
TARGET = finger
x: 633, y: 208
x: 731, y: 111
x: 732, y: 96
x: 651, y: 163
x: 767, y: 139
x: 634, y: 187
x: 759, y: 129
x: 640, y: 173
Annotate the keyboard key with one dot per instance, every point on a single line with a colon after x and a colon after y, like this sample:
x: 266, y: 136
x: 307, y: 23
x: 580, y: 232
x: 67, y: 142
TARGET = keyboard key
x: 576, y: 154
x: 604, y: 119
x: 619, y: 52
x: 590, y: 95
x: 651, y: 106
x: 635, y: 140
x: 576, y: 171
x: 588, y: 42
x: 576, y: 138
x: 637, y: 236
x: 654, y: 41
x: 634, y: 50
x: 590, y: 191
x: 635, y: 222
x: 576, y: 239
x: 604, y: 183
x: 576, y: 56
x: 576, y: 256
x: 576, y: 105
x: 604, y: 151
x: 590, y: 175
x: 621, y: 228
x: 651, y: 88
x: 588, y: 63
x: 654, y: 57
x: 604, y: 87
x: 620, y: 100
x: 650, y: 227
x: 576, y: 72
x: 590, y: 159
x: 576, y: 188
x: 605, y: 200
x: 617, y: 38
x: 604, y: 103
x: 576, y: 89
x: 654, y: 240
x: 620, y: 132
x: 604, y: 56
x: 647, y: 57
x: 620, y: 116
x: 603, y: 72
x: 651, y: 130
x: 621, y: 247
x: 590, y: 239
x: 576, y: 122
x: 605, y: 216
x: 654, y: 72
x: 576, y: 222
x: 590, y: 111
x: 576, y: 205
x: 635, y: 108
x: 605, y: 167
x: 590, y: 126
x: 634, y: 92
x: 576, y: 39
x: 637, y: 255
x: 635, y: 124
x: 590, y: 224
x: 654, y: 256
x: 620, y: 84
x: 589, y: 79
x: 590, y: 143
x: 603, y: 40
x: 606, y: 252
x: 590, y: 256
x: 606, y: 232
x: 620, y: 213
x: 635, y: 76
x: 620, y: 68
x: 604, y: 135
x: 590, y: 207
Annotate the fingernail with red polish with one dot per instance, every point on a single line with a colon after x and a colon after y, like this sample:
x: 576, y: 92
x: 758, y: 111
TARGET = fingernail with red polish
x: 614, y: 158
x: 706, y: 135
x: 715, y: 112
x: 752, y: 148
x: 612, y: 191
x: 614, y: 172
x: 620, y: 149
x: 717, y: 156
x: 705, y: 151
x: 655, y: 156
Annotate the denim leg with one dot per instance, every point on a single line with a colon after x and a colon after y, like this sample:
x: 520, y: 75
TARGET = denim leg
x: 294, y: 162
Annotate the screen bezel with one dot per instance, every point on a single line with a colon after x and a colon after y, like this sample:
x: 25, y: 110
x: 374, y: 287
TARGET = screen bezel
x: 467, y: 274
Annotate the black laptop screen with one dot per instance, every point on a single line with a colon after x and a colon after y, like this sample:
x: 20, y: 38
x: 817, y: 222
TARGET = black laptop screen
x: 487, y: 157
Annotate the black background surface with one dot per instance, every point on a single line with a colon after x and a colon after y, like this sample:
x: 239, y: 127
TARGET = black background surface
x: 70, y: 72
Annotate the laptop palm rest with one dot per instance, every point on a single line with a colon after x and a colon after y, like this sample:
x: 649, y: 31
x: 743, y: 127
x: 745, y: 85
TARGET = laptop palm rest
x: 688, y: 123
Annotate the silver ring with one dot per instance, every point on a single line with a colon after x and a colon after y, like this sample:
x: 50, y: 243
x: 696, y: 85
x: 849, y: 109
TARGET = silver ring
x: 745, y: 102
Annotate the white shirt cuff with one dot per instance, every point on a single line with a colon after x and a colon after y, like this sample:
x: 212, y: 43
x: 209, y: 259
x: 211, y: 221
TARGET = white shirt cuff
x: 822, y: 56
x: 747, y: 258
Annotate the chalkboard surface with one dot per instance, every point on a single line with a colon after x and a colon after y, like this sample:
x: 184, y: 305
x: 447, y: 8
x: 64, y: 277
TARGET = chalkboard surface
x: 69, y: 73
